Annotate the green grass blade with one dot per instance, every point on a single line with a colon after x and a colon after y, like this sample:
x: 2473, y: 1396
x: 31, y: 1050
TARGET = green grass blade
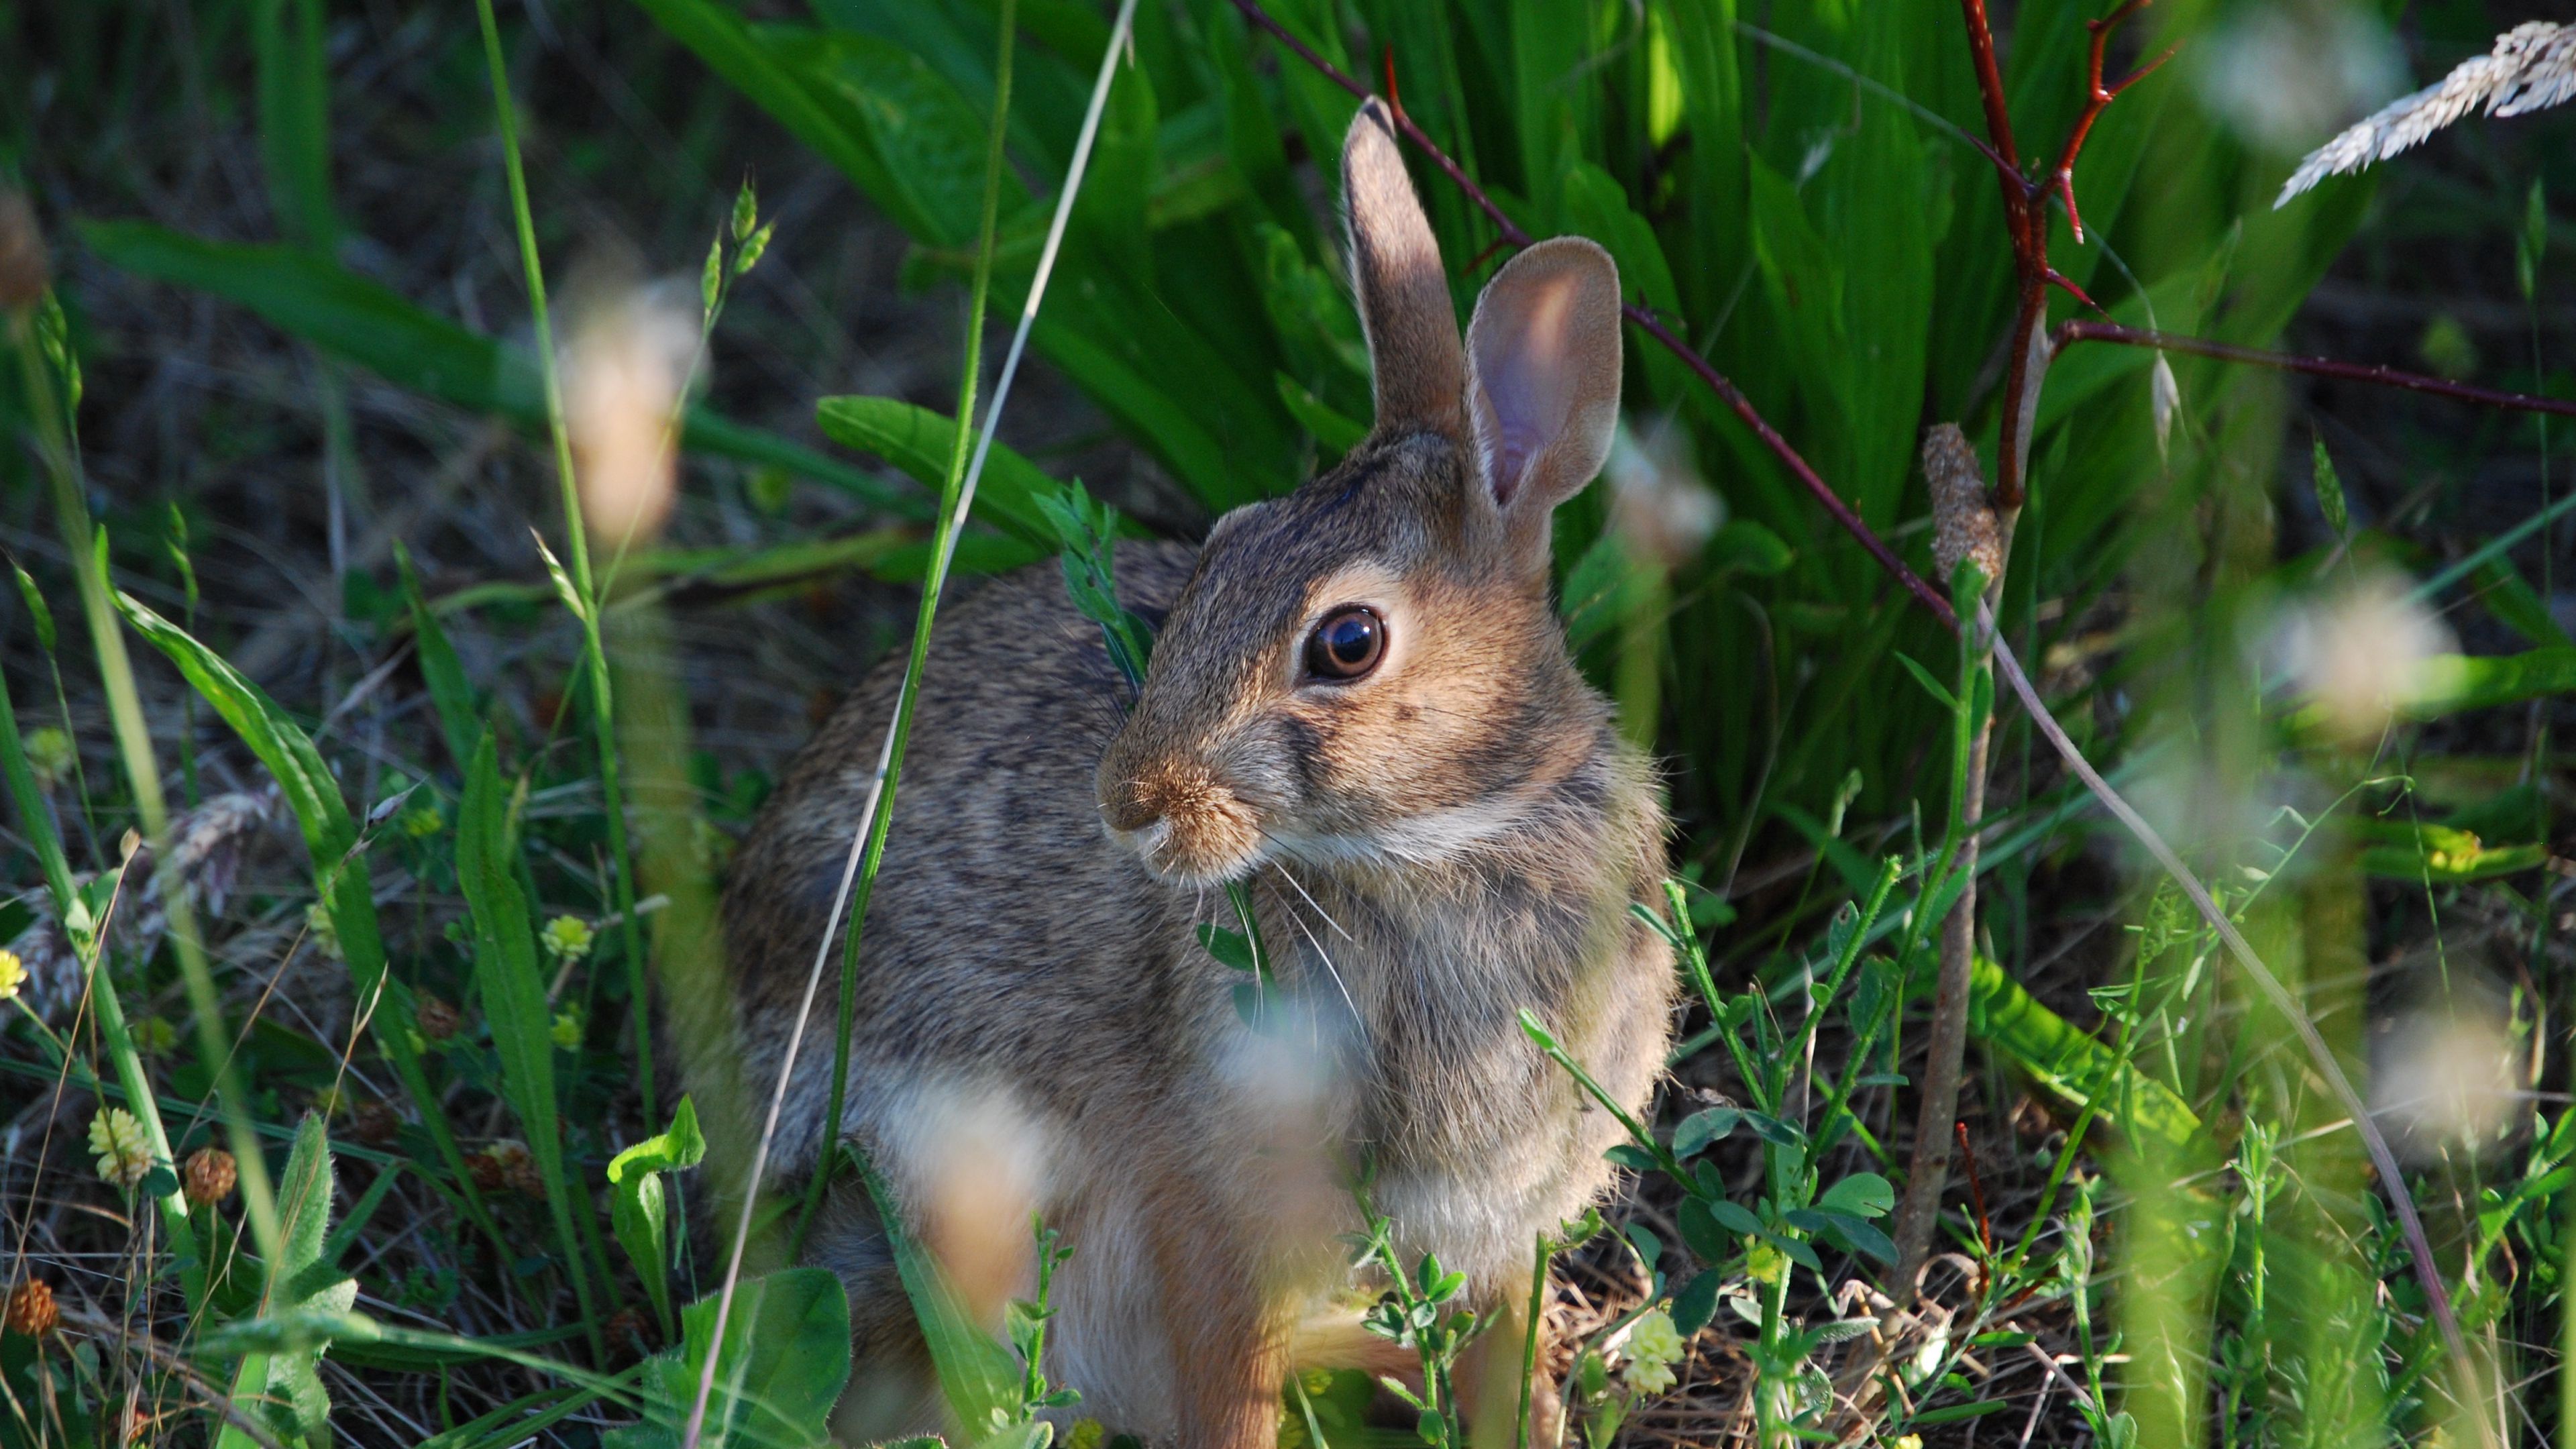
x: 339, y: 864
x: 920, y: 442
x: 513, y: 989
x: 440, y: 669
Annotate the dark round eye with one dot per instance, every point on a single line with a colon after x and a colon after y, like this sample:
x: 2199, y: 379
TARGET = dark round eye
x: 1347, y: 645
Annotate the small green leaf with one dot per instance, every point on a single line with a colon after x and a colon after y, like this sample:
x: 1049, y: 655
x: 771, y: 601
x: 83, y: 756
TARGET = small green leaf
x: 1232, y: 948
x: 1863, y: 1194
x: 1697, y: 1303
x: 637, y: 1210
x: 42, y: 616
x: 1734, y: 1216
x: 1701, y: 1128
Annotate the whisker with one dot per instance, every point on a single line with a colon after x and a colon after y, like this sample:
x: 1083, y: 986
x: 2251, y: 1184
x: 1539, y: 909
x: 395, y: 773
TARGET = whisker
x: 1326, y: 957
x: 1310, y: 900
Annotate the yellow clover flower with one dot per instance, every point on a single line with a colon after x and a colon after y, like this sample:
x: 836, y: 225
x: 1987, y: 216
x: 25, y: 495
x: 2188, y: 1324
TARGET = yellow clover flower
x: 124, y: 1154
x: 567, y: 938
x: 1654, y: 1346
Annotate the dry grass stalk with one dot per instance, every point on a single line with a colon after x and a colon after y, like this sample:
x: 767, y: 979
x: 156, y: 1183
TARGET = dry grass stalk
x: 2532, y: 68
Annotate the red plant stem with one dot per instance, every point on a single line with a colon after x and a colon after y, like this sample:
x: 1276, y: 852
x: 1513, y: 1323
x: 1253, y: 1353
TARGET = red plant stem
x: 1976, y: 1190
x: 2097, y: 99
x: 2069, y: 333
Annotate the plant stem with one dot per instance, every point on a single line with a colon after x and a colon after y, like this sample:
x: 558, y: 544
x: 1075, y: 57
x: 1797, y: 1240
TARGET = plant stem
x: 1529, y: 1332
x: 87, y: 547
x: 881, y: 792
x: 594, y: 656
x: 577, y: 544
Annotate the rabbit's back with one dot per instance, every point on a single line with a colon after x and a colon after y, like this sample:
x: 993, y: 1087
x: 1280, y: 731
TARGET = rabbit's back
x: 1003, y: 925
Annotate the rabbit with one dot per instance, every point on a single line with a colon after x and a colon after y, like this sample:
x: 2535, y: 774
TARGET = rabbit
x: 1360, y: 705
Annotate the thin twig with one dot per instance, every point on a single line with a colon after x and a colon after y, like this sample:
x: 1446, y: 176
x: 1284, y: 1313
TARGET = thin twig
x: 2069, y: 333
x: 2411, y: 1224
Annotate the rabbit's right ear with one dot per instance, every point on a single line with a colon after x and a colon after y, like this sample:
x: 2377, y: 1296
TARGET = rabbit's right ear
x: 1418, y: 370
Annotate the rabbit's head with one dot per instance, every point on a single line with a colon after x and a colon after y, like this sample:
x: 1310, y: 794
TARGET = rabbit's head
x: 1368, y: 671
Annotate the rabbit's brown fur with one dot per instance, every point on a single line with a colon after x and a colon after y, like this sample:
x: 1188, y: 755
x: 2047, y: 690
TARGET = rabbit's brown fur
x: 1431, y: 849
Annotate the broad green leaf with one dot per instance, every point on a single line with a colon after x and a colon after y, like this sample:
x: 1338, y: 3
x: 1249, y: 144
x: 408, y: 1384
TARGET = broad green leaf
x: 1863, y: 1195
x: 1699, y: 1129
x: 927, y: 138
x: 2069, y: 1063
x: 1597, y: 593
x: 638, y: 1210
x: 2414, y: 852
x: 285, y: 1385
x: 977, y: 1375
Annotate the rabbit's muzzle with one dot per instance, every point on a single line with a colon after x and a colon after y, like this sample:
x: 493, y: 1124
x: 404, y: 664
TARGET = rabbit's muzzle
x: 1186, y: 824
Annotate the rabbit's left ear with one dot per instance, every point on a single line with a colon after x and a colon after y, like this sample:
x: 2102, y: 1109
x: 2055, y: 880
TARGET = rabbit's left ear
x: 1543, y: 378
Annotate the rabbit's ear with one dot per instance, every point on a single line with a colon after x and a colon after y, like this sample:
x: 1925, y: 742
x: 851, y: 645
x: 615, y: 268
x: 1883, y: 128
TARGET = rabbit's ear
x: 1543, y: 377
x: 1416, y: 366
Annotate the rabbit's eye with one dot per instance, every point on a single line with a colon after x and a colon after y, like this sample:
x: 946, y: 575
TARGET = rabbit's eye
x: 1347, y: 645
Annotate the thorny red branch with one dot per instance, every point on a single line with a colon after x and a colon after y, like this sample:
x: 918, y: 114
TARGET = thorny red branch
x: 2097, y: 99
x: 2026, y: 214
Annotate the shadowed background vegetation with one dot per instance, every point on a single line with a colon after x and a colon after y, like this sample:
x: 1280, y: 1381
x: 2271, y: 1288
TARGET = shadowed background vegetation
x: 389, y: 933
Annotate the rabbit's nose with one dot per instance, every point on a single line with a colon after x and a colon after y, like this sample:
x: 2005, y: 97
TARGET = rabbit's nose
x: 1154, y: 794
x: 1127, y: 810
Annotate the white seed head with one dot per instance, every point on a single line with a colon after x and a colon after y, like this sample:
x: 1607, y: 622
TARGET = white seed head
x: 625, y: 370
x: 2361, y: 653
x: 1658, y: 504
x: 2531, y: 68
x: 2447, y: 1078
